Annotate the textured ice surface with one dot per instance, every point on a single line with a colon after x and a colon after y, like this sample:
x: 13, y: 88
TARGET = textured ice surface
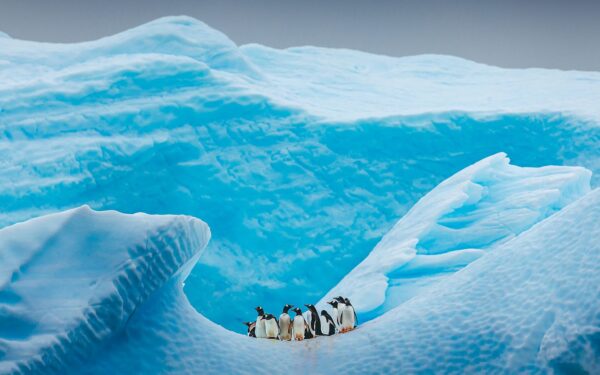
x: 70, y: 281
x: 530, y: 305
x: 470, y: 213
x: 298, y: 159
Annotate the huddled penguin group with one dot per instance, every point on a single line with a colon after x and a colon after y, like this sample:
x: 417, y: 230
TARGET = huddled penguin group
x: 267, y: 326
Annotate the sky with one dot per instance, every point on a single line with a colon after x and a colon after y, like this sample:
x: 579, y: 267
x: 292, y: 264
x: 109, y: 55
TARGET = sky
x: 510, y: 33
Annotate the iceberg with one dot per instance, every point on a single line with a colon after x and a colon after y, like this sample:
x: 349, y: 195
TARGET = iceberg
x: 299, y: 159
x: 127, y: 313
x: 467, y: 215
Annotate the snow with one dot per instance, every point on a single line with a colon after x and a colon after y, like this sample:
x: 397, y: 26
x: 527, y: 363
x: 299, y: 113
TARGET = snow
x: 467, y: 215
x: 300, y: 160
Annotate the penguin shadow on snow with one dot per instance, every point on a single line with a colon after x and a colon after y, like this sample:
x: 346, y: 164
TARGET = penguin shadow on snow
x: 341, y: 320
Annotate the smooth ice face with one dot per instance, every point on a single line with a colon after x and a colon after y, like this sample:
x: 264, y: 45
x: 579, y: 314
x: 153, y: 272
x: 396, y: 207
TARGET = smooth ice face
x: 70, y: 281
x: 470, y: 213
x: 299, y: 159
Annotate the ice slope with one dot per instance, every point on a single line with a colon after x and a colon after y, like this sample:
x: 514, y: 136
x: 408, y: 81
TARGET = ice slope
x: 530, y: 305
x: 299, y: 159
x: 467, y: 215
x: 70, y: 281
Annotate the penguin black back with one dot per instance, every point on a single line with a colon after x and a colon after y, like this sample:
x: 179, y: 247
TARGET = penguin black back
x: 330, y: 328
x: 315, y: 320
x: 251, y: 328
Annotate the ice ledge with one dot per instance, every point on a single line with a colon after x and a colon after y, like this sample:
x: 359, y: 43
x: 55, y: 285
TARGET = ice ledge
x: 69, y: 281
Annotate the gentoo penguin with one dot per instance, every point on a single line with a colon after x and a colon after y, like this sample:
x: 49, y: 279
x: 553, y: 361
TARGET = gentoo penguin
x: 299, y: 325
x: 349, y: 306
x: 271, y: 326
x: 336, y: 312
x: 315, y: 320
x: 285, y: 324
x: 328, y: 329
x: 341, y: 307
x: 251, y: 328
x: 348, y: 317
x: 260, y: 323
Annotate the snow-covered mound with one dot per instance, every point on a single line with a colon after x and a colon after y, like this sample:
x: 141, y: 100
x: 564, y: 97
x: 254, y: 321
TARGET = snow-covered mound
x: 72, y: 280
x: 470, y: 213
x: 298, y: 159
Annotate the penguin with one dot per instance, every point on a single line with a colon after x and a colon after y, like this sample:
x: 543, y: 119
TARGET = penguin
x: 341, y: 306
x: 329, y: 328
x: 315, y: 320
x: 348, y: 317
x: 298, y: 325
x: 271, y: 326
x: 349, y: 305
x: 285, y: 324
x: 251, y: 328
x: 260, y: 323
x: 336, y: 314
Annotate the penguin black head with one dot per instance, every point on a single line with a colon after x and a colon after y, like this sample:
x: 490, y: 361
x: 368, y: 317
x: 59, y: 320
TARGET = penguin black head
x: 333, y: 303
x: 325, y: 313
x: 259, y: 310
x: 287, y: 308
x: 248, y: 323
x: 297, y: 311
x: 269, y: 316
x: 340, y: 299
x: 347, y: 302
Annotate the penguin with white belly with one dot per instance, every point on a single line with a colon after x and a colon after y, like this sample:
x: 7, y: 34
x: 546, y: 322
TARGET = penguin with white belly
x: 299, y: 325
x: 259, y: 330
x: 329, y: 328
x: 285, y: 324
x: 336, y: 313
x: 349, y: 319
x: 271, y: 326
x: 315, y: 320
x: 351, y: 308
x: 251, y: 328
x: 341, y: 307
